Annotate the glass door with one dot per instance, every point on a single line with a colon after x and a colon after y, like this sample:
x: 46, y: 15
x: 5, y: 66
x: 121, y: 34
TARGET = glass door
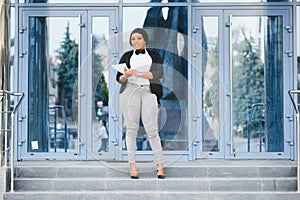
x: 208, y: 84
x: 167, y: 30
x: 64, y: 74
x: 102, y: 52
x: 50, y: 55
x: 259, y: 57
x: 243, y: 63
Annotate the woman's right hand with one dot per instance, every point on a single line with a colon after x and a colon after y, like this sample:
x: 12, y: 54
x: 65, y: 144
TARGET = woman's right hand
x: 130, y: 72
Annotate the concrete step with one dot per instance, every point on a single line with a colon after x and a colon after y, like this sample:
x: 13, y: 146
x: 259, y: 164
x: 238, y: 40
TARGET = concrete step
x: 171, y: 171
x: 188, y: 180
x: 151, y: 195
x: 148, y: 184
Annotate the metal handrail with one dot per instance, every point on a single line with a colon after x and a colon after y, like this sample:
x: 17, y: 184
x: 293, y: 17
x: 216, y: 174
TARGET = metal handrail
x: 12, y: 115
x: 249, y: 123
x: 298, y: 135
x: 65, y: 124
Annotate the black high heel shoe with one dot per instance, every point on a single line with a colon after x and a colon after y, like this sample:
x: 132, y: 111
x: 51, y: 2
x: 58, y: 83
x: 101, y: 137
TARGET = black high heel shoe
x: 161, y: 176
x: 133, y: 172
x: 134, y: 177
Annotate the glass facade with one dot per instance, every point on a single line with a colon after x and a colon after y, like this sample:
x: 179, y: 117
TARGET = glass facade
x: 255, y: 72
x: 167, y: 30
x: 68, y: 1
x: 298, y: 45
x: 211, y: 81
x: 147, y: 1
x: 55, y: 47
x: 239, y: 1
x: 100, y: 80
x: 56, y: 105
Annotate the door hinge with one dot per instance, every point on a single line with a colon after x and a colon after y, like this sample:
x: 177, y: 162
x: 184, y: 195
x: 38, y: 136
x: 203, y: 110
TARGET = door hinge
x: 115, y: 53
x: 115, y: 29
x: 289, y: 53
x: 289, y: 29
x: 290, y: 117
x: 115, y: 118
x: 195, y: 29
x: 21, y: 118
x: 21, y: 142
x: 196, y: 53
x: 115, y: 142
x: 290, y: 142
x: 22, y: 29
x: 228, y: 24
x: 82, y: 25
x: 22, y: 53
x: 196, y: 117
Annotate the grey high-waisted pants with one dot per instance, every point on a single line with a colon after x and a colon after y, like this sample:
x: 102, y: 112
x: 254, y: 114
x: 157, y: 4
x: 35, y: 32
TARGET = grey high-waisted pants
x: 137, y: 102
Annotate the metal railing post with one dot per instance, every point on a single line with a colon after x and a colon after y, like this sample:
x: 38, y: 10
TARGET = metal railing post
x: 12, y: 133
x: 4, y: 67
x: 298, y: 135
x: 62, y: 108
x: 12, y: 152
x: 249, y: 123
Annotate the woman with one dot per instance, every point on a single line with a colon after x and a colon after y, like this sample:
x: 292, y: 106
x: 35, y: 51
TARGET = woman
x: 104, y: 137
x: 139, y: 99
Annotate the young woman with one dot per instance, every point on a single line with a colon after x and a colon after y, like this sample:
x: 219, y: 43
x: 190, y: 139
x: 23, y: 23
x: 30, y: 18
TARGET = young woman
x: 139, y: 99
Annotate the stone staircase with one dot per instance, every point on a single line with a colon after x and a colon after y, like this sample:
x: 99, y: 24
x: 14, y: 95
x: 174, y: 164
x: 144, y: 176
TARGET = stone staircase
x: 205, y: 180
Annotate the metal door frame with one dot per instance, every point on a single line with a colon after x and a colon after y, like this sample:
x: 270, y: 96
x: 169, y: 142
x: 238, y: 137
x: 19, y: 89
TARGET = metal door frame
x: 113, y: 44
x: 84, y: 14
x: 224, y: 60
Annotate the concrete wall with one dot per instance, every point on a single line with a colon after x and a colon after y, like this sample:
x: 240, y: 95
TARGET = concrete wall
x: 3, y: 180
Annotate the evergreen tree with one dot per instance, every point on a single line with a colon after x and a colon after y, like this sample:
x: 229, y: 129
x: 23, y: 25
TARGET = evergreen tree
x: 248, y: 77
x: 99, y: 83
x: 67, y: 72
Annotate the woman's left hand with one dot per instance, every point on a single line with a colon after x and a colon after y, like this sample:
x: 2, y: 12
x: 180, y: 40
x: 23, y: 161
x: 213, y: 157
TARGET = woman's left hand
x: 132, y: 72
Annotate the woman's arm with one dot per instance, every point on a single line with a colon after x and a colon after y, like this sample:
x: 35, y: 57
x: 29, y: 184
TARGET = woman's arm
x: 122, y: 78
x: 156, y: 69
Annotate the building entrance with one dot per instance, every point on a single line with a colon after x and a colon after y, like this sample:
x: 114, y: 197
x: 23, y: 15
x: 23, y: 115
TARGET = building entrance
x: 229, y: 101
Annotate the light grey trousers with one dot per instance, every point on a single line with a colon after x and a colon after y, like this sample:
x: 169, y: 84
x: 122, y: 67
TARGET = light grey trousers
x: 137, y: 102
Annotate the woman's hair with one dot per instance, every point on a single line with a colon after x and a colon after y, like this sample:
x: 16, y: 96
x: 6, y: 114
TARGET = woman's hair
x: 140, y: 31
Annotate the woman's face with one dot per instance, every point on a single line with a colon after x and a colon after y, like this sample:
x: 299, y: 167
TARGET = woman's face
x: 137, y: 41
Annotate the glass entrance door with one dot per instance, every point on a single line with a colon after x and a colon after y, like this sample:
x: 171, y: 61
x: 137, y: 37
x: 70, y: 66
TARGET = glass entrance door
x: 208, y: 83
x: 101, y: 123
x: 66, y: 79
x: 244, y: 71
x: 259, y: 60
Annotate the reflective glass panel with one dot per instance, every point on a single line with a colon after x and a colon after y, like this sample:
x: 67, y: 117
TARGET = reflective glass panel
x: 257, y: 82
x: 238, y: 1
x: 12, y: 49
x: 153, y: 1
x: 298, y: 47
x: 70, y: 1
x: 53, y: 87
x: 298, y: 31
x: 100, y: 79
x: 211, y: 119
x: 167, y: 30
